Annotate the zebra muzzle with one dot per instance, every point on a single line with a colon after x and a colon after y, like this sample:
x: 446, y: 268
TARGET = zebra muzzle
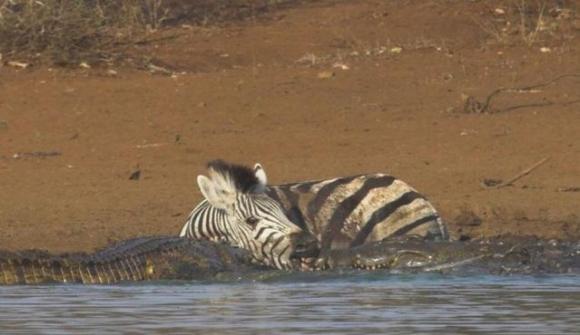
x: 304, y: 245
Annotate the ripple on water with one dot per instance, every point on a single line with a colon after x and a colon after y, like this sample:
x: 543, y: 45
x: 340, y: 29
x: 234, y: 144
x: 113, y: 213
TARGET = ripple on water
x: 302, y: 304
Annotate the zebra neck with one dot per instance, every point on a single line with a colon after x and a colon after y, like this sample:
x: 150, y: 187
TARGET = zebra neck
x: 211, y: 223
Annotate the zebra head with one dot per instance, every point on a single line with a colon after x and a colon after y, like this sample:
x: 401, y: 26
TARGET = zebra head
x: 252, y: 220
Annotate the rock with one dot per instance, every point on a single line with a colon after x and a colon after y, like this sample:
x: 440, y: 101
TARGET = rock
x: 396, y: 50
x: 135, y: 175
x: 325, y: 75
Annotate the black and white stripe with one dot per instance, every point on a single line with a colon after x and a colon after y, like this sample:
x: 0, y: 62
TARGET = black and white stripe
x: 343, y: 212
x: 237, y: 211
x: 350, y: 211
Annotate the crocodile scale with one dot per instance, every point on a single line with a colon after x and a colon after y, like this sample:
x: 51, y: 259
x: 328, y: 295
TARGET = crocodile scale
x: 174, y: 258
x: 146, y: 258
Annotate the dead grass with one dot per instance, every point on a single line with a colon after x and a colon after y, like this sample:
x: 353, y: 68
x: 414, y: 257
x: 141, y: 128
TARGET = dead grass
x: 68, y: 32
x: 528, y: 21
x: 63, y: 29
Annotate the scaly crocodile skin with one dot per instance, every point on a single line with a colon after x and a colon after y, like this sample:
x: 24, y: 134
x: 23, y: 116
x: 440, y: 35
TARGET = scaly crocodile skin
x: 174, y: 258
x: 511, y: 255
x: 147, y: 258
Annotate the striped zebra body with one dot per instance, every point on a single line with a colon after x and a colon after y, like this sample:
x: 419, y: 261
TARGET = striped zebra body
x: 350, y: 211
x: 341, y: 212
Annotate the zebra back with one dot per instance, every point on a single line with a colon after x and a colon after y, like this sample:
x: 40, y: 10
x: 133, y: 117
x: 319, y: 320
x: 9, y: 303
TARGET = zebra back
x: 349, y: 211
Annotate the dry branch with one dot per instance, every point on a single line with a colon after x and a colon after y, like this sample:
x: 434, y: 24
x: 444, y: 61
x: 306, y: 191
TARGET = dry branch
x: 516, y: 177
x: 472, y: 105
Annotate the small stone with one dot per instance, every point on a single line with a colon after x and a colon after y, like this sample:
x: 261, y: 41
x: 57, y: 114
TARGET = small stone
x: 135, y: 175
x: 325, y: 75
x: 396, y: 50
x: 341, y: 66
x: 499, y: 11
x: 491, y: 182
x: 545, y: 50
x: 20, y: 65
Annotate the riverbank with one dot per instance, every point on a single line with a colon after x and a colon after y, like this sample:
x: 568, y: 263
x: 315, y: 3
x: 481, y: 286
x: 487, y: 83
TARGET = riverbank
x: 94, y: 154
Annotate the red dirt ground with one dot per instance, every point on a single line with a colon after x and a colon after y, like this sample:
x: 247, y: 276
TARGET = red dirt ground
x: 252, y: 91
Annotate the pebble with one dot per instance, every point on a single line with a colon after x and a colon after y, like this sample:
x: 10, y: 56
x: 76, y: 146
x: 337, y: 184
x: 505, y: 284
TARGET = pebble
x: 325, y: 75
x: 396, y: 50
x: 341, y: 66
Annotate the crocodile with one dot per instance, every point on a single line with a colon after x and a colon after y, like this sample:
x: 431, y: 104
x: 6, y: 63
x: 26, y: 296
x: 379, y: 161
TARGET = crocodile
x: 139, y: 259
x: 498, y: 256
x: 173, y: 258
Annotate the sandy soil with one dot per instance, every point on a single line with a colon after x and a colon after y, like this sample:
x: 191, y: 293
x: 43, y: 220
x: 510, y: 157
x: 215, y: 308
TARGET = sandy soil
x: 319, y: 90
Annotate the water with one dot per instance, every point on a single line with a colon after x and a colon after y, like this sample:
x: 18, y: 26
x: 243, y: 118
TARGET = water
x: 302, y: 304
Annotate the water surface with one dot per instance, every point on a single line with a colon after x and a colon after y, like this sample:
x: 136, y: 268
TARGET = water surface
x: 302, y: 304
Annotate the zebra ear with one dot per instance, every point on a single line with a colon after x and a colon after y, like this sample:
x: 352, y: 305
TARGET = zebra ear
x: 260, y: 174
x: 216, y: 195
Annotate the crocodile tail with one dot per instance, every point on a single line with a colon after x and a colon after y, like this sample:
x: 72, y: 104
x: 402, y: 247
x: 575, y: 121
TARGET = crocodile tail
x: 19, y: 270
x: 27, y: 271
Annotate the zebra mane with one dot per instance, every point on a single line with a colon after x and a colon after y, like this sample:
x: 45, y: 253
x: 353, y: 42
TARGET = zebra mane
x: 242, y: 177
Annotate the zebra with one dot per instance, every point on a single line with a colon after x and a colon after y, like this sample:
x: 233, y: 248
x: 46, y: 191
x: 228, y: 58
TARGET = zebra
x: 343, y: 212
x: 237, y: 211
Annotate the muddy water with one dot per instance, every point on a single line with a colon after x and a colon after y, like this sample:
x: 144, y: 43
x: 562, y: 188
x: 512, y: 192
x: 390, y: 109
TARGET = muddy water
x: 302, y: 304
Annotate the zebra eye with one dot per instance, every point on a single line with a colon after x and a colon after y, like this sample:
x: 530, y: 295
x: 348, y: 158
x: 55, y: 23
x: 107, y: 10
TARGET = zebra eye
x: 252, y: 221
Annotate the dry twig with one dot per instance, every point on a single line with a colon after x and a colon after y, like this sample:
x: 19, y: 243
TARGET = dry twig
x: 568, y: 189
x: 472, y: 105
x: 488, y: 185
